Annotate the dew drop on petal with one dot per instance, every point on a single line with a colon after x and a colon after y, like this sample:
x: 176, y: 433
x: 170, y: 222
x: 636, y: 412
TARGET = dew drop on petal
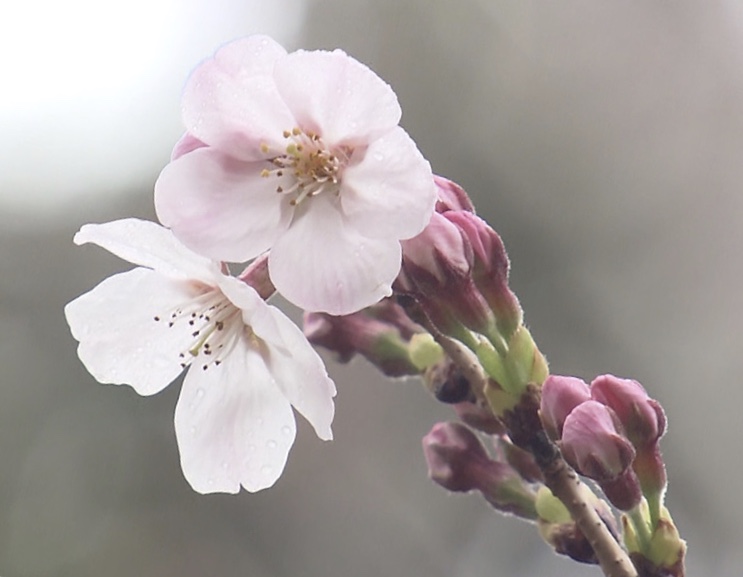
x: 225, y: 465
x: 266, y: 469
x: 200, y: 393
x: 252, y: 448
x: 286, y: 430
x: 271, y: 444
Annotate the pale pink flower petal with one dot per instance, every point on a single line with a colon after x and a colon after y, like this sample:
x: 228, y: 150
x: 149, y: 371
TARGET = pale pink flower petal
x: 321, y: 265
x: 299, y: 372
x: 390, y: 193
x: 120, y: 342
x: 187, y: 143
x: 221, y: 207
x: 336, y: 96
x: 148, y: 244
x: 234, y: 426
x: 231, y: 102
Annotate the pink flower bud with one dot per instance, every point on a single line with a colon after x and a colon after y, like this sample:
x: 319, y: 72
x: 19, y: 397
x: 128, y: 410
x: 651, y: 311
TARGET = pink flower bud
x: 458, y: 461
x: 593, y: 443
x: 560, y: 395
x: 380, y: 333
x: 643, y: 418
x: 436, y: 270
x: 451, y: 196
x: 439, y: 251
x: 490, y: 269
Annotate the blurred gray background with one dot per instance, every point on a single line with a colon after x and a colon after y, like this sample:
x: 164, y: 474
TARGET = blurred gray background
x: 603, y: 140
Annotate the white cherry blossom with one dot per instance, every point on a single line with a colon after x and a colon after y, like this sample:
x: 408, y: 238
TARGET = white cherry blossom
x: 247, y: 363
x: 302, y: 154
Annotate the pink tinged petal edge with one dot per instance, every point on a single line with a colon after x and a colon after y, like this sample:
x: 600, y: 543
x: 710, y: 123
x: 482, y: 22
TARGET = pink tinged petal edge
x: 336, y: 96
x: 233, y: 425
x: 231, y: 102
x: 322, y: 265
x: 150, y: 245
x: 390, y: 192
x: 120, y: 342
x: 221, y: 207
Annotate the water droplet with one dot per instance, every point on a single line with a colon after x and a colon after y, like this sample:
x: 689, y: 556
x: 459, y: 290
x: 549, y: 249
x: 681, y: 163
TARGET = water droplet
x: 200, y: 393
x: 252, y: 448
x: 194, y: 430
x: 266, y: 469
x: 286, y: 430
x: 225, y: 465
x: 271, y: 444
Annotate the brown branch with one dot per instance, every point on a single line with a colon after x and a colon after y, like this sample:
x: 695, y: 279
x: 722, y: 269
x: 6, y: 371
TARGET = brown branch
x: 565, y: 484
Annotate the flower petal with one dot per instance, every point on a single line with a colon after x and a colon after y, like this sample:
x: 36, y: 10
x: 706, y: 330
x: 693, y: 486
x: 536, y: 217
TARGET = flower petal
x: 234, y: 427
x: 391, y: 191
x: 120, y: 342
x: 221, y: 207
x: 148, y: 244
x: 297, y: 368
x: 322, y: 265
x: 187, y: 143
x: 336, y: 96
x: 230, y: 101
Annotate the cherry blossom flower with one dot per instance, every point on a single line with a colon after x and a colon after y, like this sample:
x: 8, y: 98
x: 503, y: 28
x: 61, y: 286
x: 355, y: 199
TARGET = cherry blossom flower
x: 248, y: 364
x: 301, y: 154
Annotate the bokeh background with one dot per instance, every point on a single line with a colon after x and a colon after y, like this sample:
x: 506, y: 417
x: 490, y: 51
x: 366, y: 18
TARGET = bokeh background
x: 602, y: 139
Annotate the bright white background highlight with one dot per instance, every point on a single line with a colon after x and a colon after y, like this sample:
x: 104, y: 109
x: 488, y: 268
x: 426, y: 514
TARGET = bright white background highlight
x: 90, y: 90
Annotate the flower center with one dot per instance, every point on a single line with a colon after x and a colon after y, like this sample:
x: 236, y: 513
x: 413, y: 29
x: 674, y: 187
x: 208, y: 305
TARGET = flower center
x: 214, y: 323
x: 307, y: 167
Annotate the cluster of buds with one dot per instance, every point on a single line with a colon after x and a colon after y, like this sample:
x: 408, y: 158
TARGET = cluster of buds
x: 610, y: 432
x: 456, y: 271
x: 452, y: 310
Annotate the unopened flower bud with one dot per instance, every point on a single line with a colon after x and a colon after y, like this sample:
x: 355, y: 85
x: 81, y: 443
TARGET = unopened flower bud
x: 643, y: 418
x: 592, y: 442
x: 458, y: 461
x: 380, y: 333
x: 490, y: 270
x: 560, y: 395
x: 644, y: 423
x: 436, y: 270
x: 451, y: 196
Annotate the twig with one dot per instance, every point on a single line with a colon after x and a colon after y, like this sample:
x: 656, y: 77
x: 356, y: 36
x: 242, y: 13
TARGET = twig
x: 567, y: 486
